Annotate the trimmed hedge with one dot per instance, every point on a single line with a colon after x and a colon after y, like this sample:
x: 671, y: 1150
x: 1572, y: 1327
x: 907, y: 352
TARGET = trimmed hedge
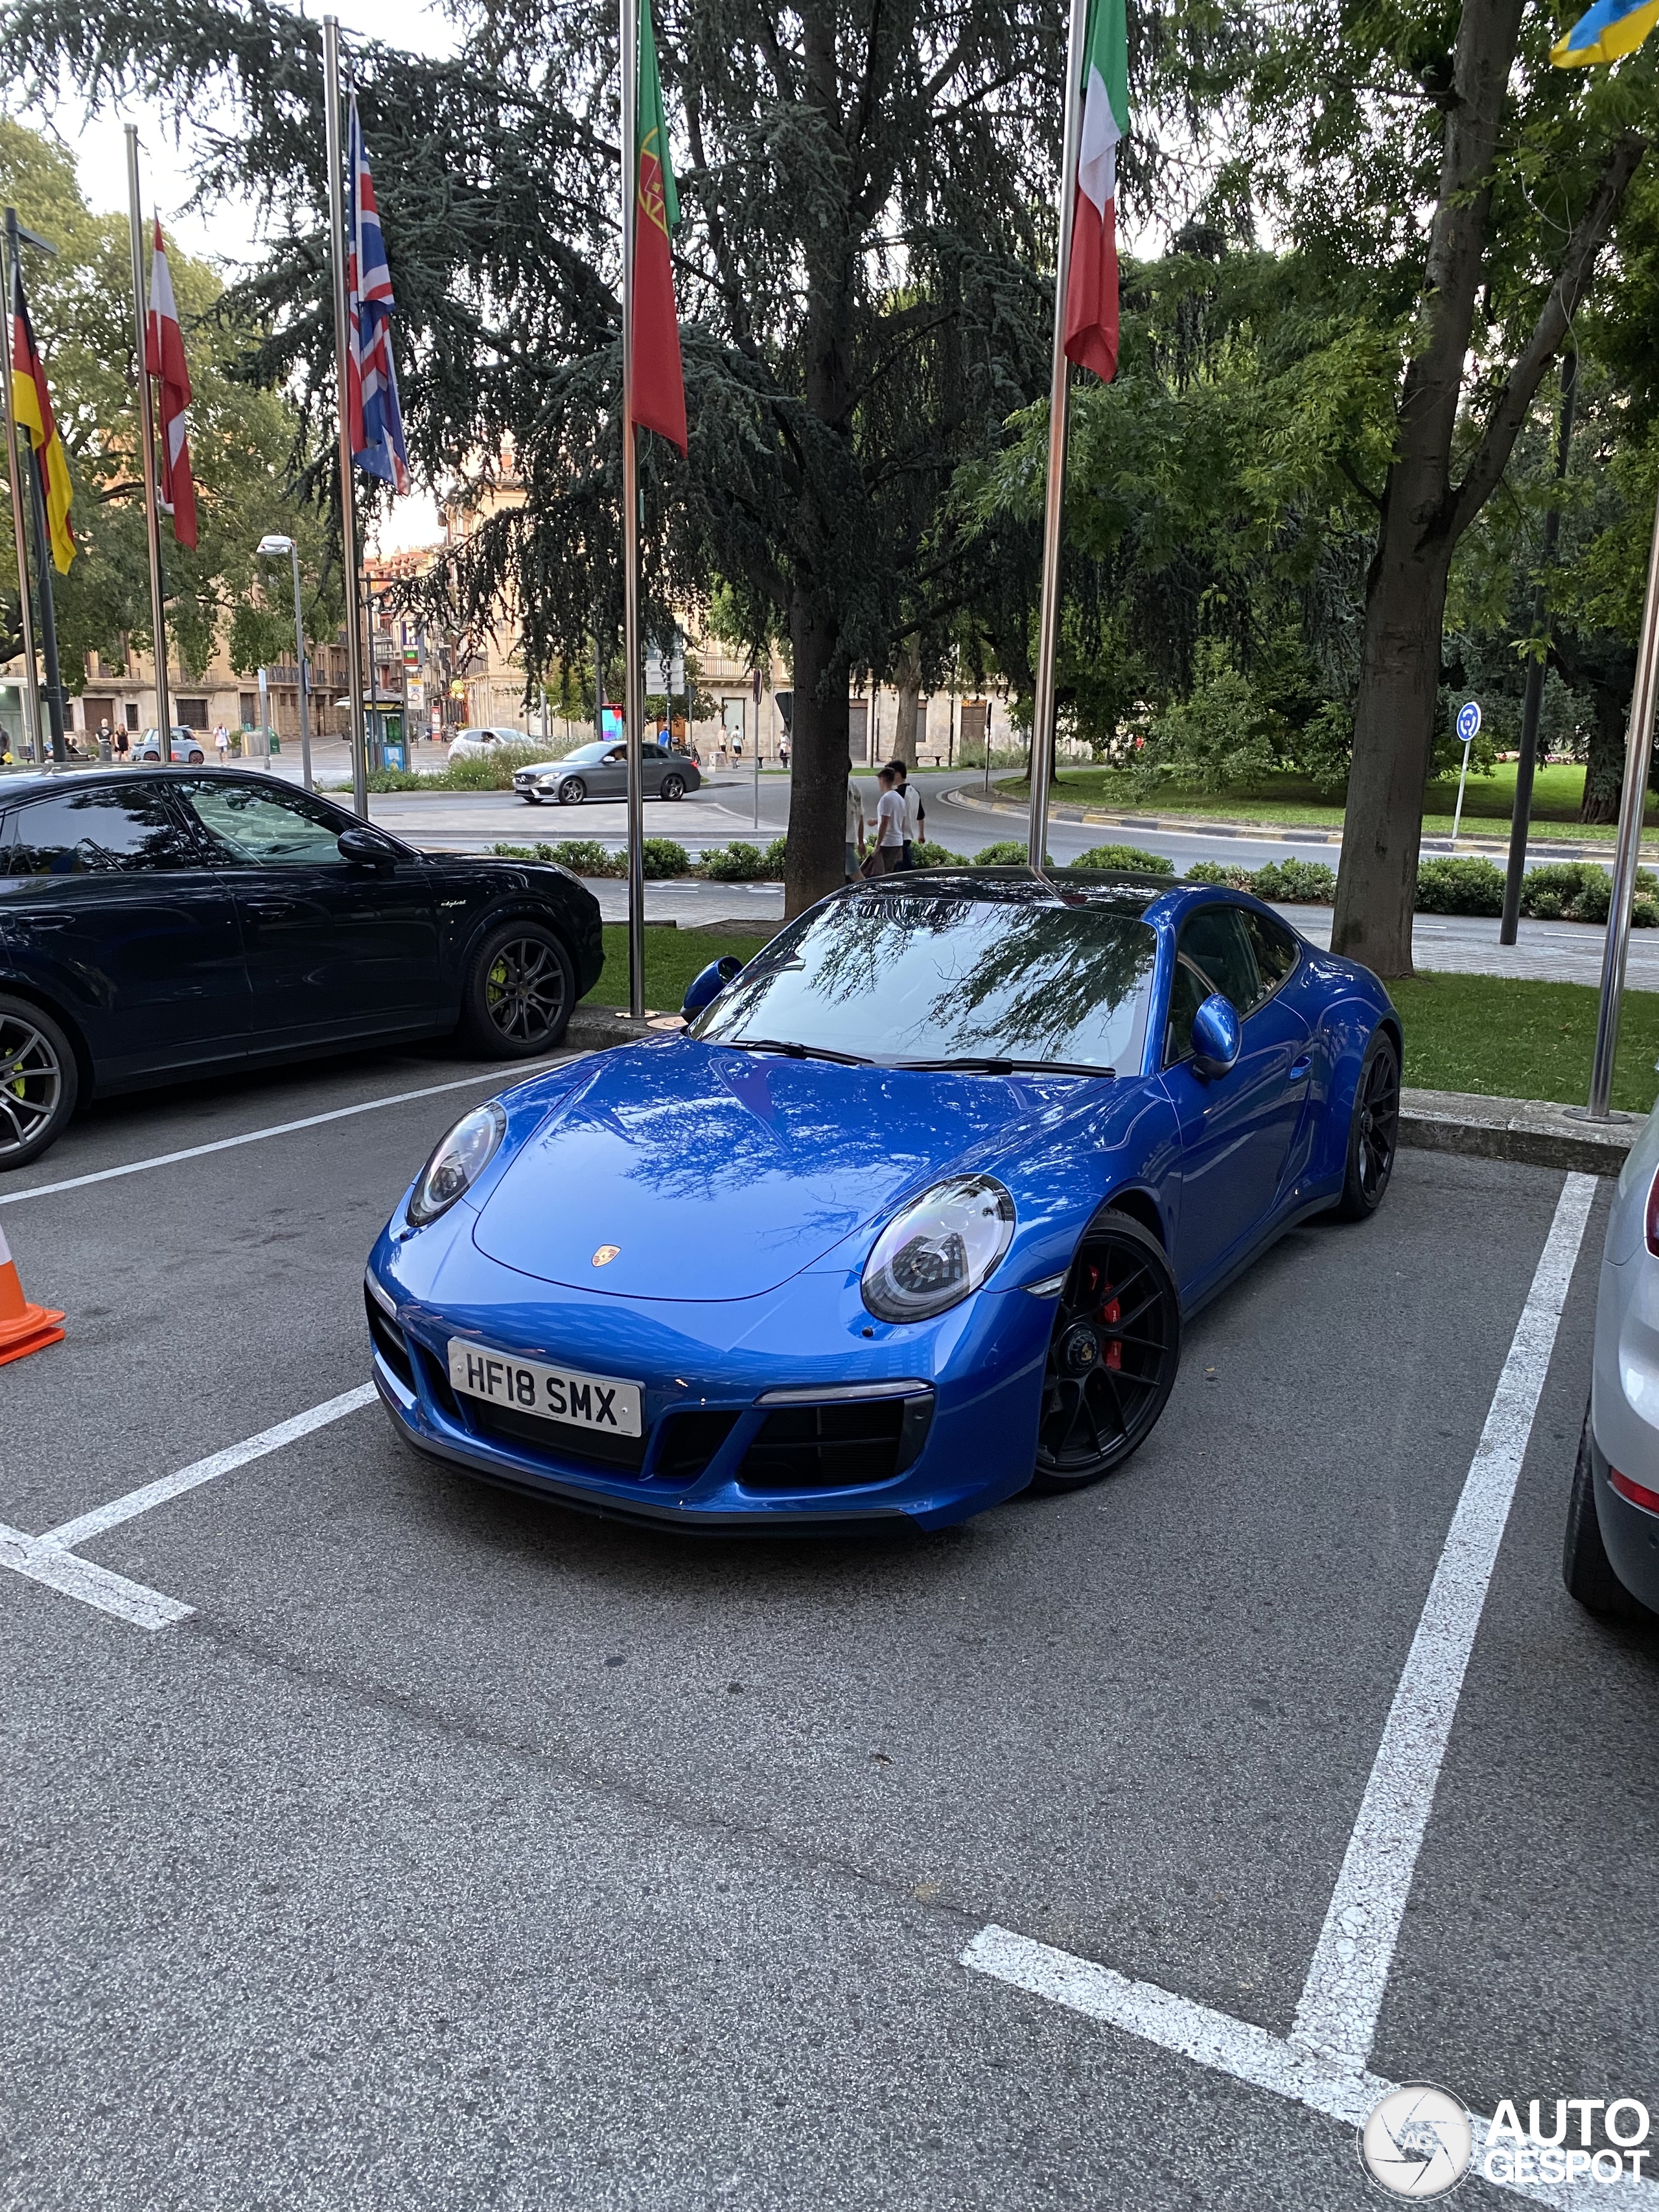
x: 1134, y: 860
x: 1009, y: 853
x: 739, y: 863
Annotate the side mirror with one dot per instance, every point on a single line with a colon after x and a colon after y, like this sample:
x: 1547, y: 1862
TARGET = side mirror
x: 704, y: 989
x: 364, y: 848
x: 1216, y: 1038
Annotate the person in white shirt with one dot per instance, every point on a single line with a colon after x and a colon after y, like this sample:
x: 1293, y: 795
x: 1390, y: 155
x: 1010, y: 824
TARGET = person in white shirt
x: 916, y: 814
x: 854, y: 829
x: 889, y: 826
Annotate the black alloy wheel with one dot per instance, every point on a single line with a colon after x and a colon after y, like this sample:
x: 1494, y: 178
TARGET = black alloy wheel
x: 673, y: 786
x: 39, y: 1082
x: 520, y: 990
x: 1374, y: 1132
x: 1113, y: 1356
x: 572, y: 791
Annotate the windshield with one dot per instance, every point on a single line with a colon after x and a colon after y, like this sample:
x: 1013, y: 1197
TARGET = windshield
x: 914, y: 977
x: 588, y: 752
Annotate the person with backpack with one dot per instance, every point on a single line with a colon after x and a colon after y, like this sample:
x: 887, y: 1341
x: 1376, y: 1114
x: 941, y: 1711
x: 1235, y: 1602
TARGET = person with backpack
x: 916, y: 814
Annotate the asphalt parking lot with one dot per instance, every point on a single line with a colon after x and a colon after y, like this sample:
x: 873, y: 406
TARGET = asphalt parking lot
x: 453, y: 1849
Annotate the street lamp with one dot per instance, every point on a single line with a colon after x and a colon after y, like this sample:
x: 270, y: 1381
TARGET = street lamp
x: 273, y: 545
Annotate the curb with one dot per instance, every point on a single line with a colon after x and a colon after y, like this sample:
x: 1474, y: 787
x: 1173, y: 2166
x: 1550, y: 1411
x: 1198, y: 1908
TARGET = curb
x: 1536, y: 1132
x: 1270, y: 833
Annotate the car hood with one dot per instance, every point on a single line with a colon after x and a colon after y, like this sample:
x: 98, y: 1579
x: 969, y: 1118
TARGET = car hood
x: 718, y: 1173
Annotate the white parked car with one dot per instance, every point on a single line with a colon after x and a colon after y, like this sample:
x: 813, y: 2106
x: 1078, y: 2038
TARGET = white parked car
x: 1612, y: 1551
x: 478, y: 744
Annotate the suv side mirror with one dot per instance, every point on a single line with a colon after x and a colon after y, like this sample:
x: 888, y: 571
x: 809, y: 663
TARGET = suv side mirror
x: 365, y: 847
x: 704, y: 989
x: 1216, y: 1038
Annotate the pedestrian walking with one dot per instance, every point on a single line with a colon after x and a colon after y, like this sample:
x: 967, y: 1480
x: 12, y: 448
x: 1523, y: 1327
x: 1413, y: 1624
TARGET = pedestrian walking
x: 221, y: 744
x: 121, y: 743
x: 916, y: 814
x: 854, y: 829
x: 887, y: 855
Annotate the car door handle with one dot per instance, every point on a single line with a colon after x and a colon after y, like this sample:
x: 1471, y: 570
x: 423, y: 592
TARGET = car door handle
x: 1299, y: 1067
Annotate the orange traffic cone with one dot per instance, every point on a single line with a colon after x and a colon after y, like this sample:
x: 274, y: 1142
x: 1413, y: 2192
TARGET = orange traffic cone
x: 23, y: 1327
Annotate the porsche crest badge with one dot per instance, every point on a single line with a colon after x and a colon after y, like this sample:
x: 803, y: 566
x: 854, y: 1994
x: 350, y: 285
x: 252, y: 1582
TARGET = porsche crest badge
x: 605, y: 1255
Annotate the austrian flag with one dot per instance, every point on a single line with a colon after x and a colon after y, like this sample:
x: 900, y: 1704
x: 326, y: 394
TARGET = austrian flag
x: 1091, y: 287
x: 164, y: 359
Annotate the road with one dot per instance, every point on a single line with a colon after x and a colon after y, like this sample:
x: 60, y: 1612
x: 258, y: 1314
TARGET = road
x: 455, y: 1851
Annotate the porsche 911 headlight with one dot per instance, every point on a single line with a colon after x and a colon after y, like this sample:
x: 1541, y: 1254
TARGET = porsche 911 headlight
x: 457, y: 1162
x: 939, y: 1249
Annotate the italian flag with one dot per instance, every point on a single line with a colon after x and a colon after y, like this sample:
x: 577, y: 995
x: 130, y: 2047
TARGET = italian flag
x: 659, y: 380
x: 1091, y: 287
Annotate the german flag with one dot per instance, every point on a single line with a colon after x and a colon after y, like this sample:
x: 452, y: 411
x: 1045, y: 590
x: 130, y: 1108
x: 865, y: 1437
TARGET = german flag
x: 32, y: 405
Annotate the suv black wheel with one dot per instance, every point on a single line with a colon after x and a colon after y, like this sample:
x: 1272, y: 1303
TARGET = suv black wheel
x: 1113, y: 1356
x: 1585, y: 1567
x: 518, y: 992
x: 673, y: 786
x: 1373, y: 1131
x: 39, y: 1082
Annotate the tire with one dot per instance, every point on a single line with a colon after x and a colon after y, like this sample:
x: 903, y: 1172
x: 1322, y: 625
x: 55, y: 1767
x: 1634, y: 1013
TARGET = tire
x: 1373, y: 1131
x: 1110, y: 1371
x: 197, y: 760
x: 572, y: 791
x: 673, y: 786
x: 1585, y: 1567
x: 39, y: 1082
x: 517, y: 995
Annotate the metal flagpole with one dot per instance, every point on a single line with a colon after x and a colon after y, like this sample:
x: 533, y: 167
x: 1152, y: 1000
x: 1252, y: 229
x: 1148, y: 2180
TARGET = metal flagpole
x: 1638, y: 745
x: 633, y: 675
x: 1043, y: 704
x: 158, y: 616
x: 333, y: 156
x: 20, y: 539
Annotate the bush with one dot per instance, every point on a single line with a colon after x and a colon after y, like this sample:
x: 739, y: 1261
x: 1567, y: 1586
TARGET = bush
x: 516, y: 853
x: 1009, y: 853
x: 1459, y: 887
x: 1296, y: 883
x: 773, y: 857
x: 1228, y: 875
x: 584, y: 856
x: 395, y: 779
x: 1579, y: 890
x: 491, y: 771
x: 740, y: 863
x: 924, y: 853
x: 1133, y: 858
x: 662, y: 857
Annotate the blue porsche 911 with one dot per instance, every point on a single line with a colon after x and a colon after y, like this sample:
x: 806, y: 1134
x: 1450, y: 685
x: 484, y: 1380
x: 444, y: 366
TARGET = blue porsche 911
x: 906, y: 1219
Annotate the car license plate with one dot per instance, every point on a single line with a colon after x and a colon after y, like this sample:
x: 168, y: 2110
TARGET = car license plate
x: 557, y: 1394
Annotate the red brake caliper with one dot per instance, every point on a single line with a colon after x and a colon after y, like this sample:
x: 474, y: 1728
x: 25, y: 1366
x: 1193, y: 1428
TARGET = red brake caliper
x: 1111, y: 1313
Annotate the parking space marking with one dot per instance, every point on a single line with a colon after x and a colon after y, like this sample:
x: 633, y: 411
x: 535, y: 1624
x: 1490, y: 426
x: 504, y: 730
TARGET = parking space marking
x: 51, y: 1558
x: 277, y: 1129
x: 1323, y: 2065
x: 1344, y: 1991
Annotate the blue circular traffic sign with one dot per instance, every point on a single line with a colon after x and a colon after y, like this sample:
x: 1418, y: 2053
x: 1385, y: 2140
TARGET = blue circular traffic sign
x: 1468, y: 720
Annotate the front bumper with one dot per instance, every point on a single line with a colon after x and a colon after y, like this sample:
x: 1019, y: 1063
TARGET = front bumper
x: 942, y: 1414
x: 1624, y: 1418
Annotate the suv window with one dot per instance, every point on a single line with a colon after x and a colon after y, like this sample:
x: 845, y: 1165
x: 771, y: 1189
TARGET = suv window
x: 1212, y: 953
x: 1274, y: 948
x: 108, y: 830
x: 249, y: 826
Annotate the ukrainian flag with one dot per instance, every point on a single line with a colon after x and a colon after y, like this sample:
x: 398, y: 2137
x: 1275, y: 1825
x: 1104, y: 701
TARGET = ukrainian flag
x: 1611, y: 28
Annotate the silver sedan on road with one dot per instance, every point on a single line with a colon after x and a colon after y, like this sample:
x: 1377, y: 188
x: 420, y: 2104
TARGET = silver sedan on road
x: 600, y: 771
x: 1611, y: 1552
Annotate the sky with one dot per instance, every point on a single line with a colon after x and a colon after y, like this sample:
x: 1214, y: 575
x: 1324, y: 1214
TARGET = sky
x: 221, y: 234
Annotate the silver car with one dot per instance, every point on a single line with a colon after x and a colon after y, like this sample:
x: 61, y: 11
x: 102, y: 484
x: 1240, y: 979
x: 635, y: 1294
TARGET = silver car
x: 1612, y: 1551
x: 600, y: 771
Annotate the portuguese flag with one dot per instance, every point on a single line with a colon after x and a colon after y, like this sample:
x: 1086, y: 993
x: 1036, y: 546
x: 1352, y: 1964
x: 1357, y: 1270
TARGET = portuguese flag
x: 1091, y: 287
x: 658, y: 381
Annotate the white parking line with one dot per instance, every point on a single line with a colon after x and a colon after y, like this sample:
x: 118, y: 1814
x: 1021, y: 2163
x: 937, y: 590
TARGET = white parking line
x: 51, y: 1558
x: 282, y: 1129
x: 1323, y: 2063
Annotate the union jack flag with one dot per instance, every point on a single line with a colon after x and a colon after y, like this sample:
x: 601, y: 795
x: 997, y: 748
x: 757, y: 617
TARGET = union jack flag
x: 376, y: 421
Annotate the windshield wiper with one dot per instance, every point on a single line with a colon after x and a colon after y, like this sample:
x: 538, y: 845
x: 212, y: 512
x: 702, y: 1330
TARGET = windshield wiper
x: 1004, y: 1066
x: 791, y: 1051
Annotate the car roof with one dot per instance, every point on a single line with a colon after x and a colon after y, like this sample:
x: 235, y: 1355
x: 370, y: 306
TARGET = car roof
x: 1112, y: 893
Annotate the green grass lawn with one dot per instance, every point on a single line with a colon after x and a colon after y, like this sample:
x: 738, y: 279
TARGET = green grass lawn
x: 672, y: 958
x: 1488, y: 802
x: 1504, y: 1039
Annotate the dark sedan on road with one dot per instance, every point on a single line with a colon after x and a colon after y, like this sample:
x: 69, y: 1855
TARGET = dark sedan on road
x: 598, y: 771
x: 160, y: 923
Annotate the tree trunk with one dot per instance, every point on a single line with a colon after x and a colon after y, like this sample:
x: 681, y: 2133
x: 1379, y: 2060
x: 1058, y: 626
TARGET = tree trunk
x: 814, y: 860
x: 907, y: 681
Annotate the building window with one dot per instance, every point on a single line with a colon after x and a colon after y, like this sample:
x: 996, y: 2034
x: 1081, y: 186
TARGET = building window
x: 250, y: 710
x: 192, y: 712
x: 132, y: 715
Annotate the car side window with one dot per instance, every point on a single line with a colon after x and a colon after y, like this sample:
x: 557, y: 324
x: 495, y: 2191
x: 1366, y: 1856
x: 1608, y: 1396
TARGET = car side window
x: 616, y: 755
x: 1212, y: 953
x: 1274, y: 948
x: 249, y: 826
x: 121, y: 830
